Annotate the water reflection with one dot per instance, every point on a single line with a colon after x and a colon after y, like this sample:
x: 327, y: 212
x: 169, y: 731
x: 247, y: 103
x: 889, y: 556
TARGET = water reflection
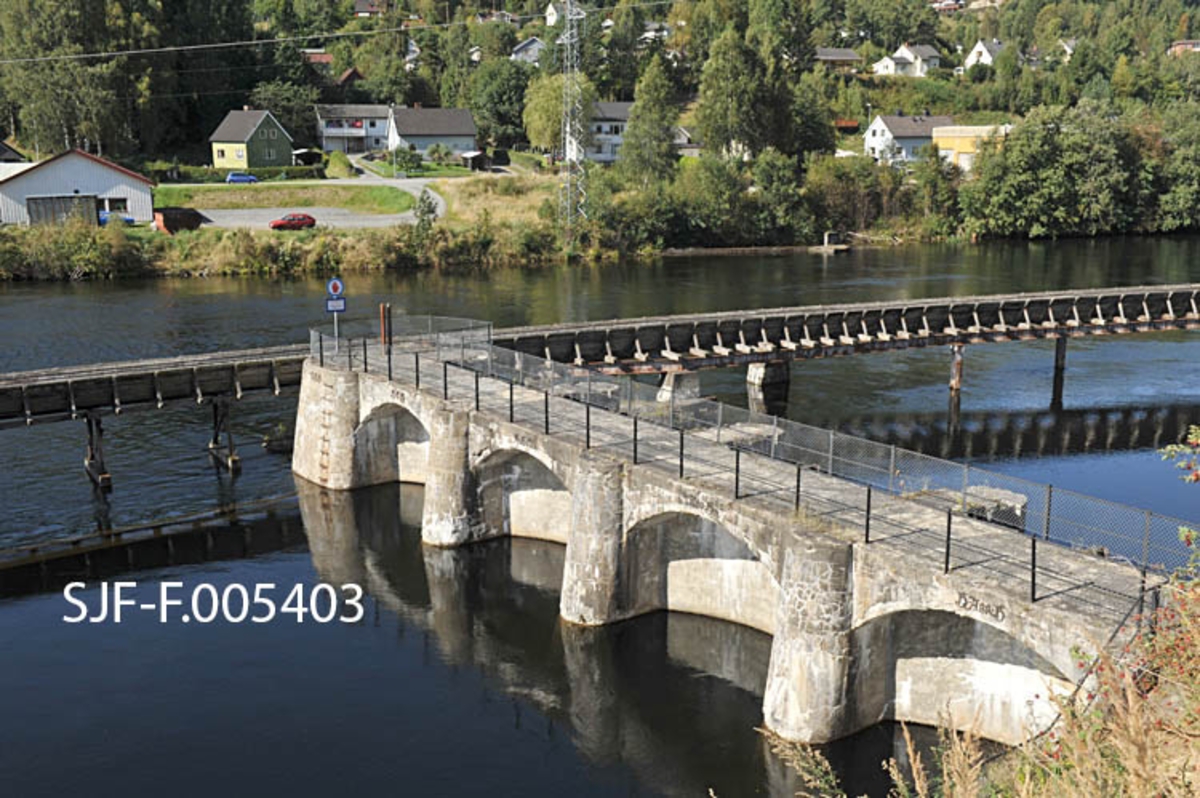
x: 674, y: 697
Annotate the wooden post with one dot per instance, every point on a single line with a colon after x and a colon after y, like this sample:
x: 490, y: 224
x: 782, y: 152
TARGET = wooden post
x: 956, y: 367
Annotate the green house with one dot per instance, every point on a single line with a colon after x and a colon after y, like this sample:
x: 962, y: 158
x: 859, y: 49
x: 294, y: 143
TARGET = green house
x: 250, y: 140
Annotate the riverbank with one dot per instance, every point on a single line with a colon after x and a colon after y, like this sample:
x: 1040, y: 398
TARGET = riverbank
x: 83, y: 252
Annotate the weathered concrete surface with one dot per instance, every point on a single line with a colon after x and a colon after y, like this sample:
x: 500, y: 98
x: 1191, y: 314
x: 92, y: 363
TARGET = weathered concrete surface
x: 772, y: 372
x: 641, y: 540
x: 807, y: 696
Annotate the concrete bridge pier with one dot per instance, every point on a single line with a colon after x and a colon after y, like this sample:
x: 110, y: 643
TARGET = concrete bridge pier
x: 679, y: 385
x: 774, y: 372
x: 591, y: 572
x: 449, y: 489
x: 767, y: 386
x: 808, y: 691
x: 1060, y: 366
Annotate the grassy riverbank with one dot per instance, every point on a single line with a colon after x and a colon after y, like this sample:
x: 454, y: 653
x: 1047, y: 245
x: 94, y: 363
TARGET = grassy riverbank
x: 360, y: 199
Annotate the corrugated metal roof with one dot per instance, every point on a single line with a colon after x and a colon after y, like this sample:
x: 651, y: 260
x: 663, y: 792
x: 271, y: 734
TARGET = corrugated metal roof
x: 434, y: 121
x: 611, y: 111
x: 8, y: 171
x: 239, y: 126
x: 906, y: 127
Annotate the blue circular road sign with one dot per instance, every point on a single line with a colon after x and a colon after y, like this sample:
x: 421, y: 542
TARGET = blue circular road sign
x: 335, y: 287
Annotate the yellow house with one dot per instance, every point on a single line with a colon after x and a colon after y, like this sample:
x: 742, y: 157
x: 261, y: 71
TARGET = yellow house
x: 960, y: 144
x: 250, y: 140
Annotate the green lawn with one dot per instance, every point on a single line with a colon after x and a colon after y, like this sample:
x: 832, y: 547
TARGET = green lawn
x: 527, y: 161
x: 384, y: 169
x: 362, y: 199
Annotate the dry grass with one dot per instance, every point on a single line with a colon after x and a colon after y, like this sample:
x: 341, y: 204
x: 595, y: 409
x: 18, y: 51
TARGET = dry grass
x: 498, y: 199
x: 363, y: 199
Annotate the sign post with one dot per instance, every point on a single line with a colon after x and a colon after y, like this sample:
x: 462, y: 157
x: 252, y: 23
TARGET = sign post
x: 335, y: 303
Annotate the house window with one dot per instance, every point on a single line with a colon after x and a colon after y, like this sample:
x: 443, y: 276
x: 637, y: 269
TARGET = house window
x: 274, y: 133
x: 616, y: 129
x: 116, y: 205
x: 262, y: 134
x: 270, y: 153
x: 372, y: 123
x: 240, y: 155
x: 220, y: 153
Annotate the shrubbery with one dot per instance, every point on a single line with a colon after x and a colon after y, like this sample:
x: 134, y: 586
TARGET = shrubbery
x: 167, y: 172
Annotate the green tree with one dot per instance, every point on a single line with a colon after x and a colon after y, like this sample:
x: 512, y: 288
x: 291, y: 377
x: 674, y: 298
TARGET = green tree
x: 648, y: 153
x: 291, y: 105
x: 543, y: 111
x: 730, y: 116
x: 497, y: 97
x: 621, y: 64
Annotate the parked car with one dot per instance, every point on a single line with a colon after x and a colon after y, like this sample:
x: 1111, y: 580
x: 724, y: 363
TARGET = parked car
x: 294, y: 221
x: 240, y: 177
x: 123, y: 218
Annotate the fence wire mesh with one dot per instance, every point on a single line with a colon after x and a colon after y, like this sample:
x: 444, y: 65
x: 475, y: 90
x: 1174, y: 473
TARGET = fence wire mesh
x: 421, y: 345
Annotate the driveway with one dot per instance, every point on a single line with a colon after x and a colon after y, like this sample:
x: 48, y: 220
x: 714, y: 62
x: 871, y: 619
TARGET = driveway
x: 333, y: 217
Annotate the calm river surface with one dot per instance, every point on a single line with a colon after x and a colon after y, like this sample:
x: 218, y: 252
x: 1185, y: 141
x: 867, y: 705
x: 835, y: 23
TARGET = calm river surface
x: 459, y: 681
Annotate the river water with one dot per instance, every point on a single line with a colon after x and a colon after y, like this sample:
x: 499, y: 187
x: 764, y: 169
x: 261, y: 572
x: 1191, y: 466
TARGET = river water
x: 491, y: 696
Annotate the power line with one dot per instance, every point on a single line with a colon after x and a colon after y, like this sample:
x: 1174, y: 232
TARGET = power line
x: 185, y: 48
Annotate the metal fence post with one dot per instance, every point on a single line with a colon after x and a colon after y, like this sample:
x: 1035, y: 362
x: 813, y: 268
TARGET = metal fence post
x: 546, y: 412
x: 366, y: 363
x: 321, y: 349
x: 892, y: 470
x: 1046, y: 520
x: 635, y: 437
x: 511, y: 407
x: 737, y: 474
x: 445, y: 379
x: 799, y: 481
x: 476, y: 373
x: 417, y: 368
x: 1033, y: 569
x: 867, y: 522
x: 587, y: 425
x: 681, y: 453
x: 949, y: 526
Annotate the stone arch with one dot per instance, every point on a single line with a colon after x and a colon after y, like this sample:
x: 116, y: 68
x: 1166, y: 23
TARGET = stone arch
x: 520, y: 494
x: 391, y: 444
x: 936, y: 667
x: 683, y: 561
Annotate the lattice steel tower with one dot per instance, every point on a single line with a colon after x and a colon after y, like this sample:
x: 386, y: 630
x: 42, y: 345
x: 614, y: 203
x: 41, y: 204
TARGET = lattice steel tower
x: 573, y: 189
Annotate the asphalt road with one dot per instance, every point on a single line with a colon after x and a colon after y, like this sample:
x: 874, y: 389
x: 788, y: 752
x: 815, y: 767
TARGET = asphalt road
x: 331, y: 217
x: 258, y: 218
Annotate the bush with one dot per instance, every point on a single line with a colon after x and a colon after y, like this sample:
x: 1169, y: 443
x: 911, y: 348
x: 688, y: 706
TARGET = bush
x: 166, y: 172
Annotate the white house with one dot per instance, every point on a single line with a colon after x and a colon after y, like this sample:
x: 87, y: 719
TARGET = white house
x: 910, y: 60
x: 894, y: 139
x: 421, y: 128
x: 71, y: 183
x: 529, y: 51
x: 609, y: 121
x: 984, y: 53
x: 352, y: 128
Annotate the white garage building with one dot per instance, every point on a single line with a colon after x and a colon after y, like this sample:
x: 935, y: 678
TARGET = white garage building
x: 71, y: 183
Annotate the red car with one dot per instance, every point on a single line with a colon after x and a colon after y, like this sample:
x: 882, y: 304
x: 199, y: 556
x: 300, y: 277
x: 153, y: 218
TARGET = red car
x: 294, y: 221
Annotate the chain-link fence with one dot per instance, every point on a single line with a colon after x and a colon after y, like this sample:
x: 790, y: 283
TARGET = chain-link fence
x: 453, y: 355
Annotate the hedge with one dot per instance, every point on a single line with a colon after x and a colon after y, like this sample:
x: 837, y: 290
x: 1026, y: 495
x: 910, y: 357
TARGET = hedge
x: 163, y: 172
